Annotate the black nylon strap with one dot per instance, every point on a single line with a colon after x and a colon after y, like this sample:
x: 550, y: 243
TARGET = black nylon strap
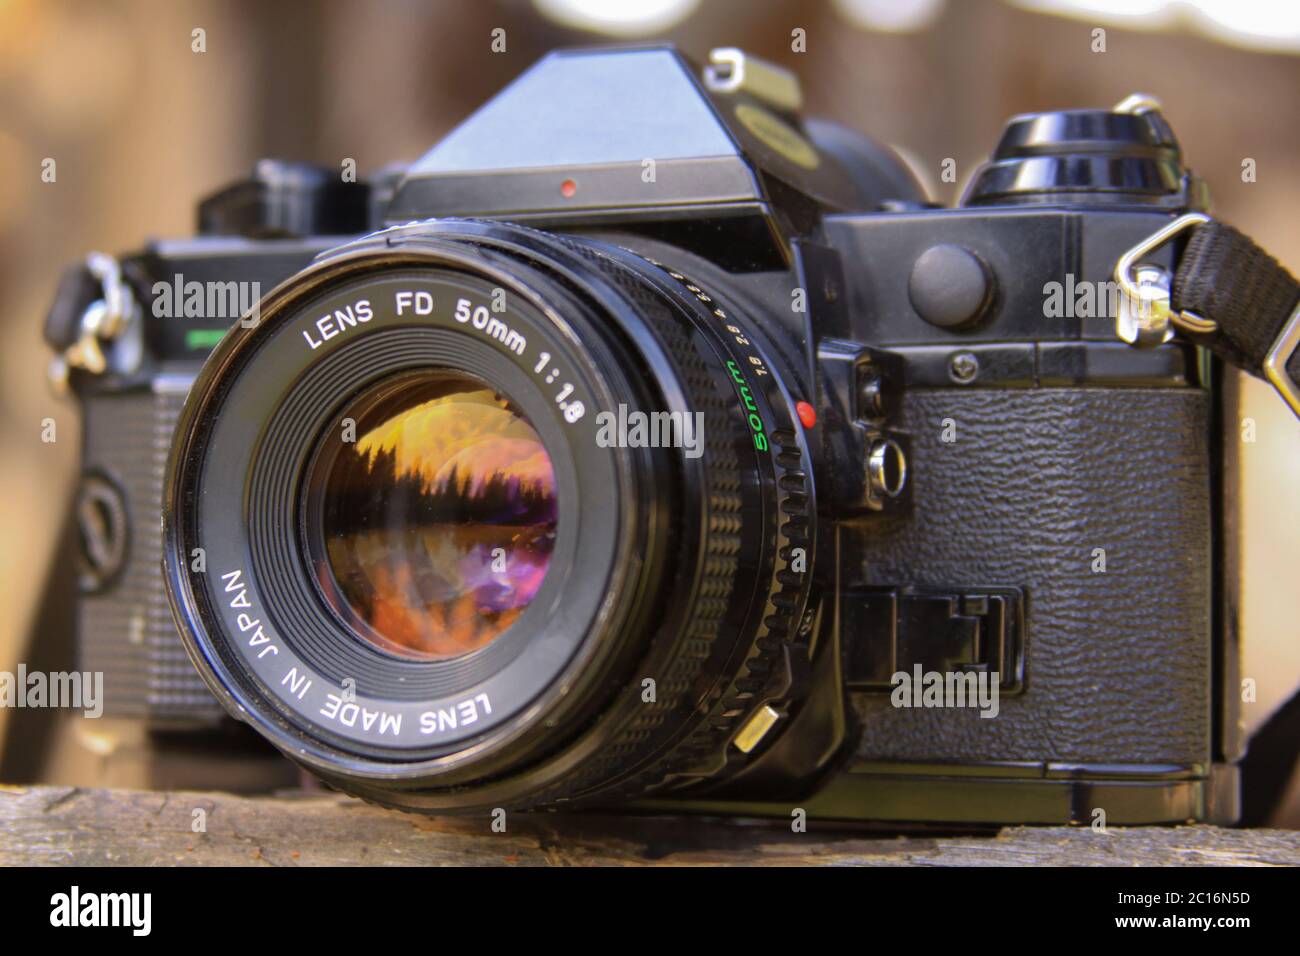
x: 1223, y: 275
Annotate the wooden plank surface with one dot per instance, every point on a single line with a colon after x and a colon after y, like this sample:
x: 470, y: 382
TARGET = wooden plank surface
x: 71, y: 826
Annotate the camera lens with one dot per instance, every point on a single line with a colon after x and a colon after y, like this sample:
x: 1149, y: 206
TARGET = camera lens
x: 481, y: 516
x: 432, y: 531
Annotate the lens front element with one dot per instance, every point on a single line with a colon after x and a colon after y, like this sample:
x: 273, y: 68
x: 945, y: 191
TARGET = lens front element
x: 431, y: 530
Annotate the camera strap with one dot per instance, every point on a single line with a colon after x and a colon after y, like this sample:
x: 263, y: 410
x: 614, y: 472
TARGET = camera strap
x: 1228, y: 295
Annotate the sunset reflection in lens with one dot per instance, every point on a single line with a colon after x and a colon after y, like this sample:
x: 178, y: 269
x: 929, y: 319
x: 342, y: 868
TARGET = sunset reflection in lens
x: 439, y: 520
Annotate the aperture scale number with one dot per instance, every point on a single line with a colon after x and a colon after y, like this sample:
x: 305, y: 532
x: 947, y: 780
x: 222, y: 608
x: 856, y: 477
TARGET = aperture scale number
x: 572, y: 410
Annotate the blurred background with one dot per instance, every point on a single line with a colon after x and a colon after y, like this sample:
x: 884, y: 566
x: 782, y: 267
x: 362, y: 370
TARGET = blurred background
x: 141, y: 126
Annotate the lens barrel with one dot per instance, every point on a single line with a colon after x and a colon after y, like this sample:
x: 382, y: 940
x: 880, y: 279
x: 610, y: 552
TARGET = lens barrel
x: 476, y: 516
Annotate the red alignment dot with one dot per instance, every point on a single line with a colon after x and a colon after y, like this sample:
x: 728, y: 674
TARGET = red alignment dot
x: 568, y: 188
x: 807, y: 414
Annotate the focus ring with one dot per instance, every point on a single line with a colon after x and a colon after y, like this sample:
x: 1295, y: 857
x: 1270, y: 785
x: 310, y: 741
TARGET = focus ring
x: 648, y: 726
x: 703, y: 751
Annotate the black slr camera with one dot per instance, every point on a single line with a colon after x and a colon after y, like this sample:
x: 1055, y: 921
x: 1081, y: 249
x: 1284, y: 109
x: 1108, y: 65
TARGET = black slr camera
x: 645, y: 444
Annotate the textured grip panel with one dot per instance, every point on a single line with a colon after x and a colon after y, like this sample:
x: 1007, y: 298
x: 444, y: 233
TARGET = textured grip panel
x: 1118, y: 664
x: 127, y: 631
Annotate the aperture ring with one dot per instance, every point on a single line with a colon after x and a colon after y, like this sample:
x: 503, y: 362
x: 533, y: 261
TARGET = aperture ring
x: 646, y: 727
x: 705, y: 750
